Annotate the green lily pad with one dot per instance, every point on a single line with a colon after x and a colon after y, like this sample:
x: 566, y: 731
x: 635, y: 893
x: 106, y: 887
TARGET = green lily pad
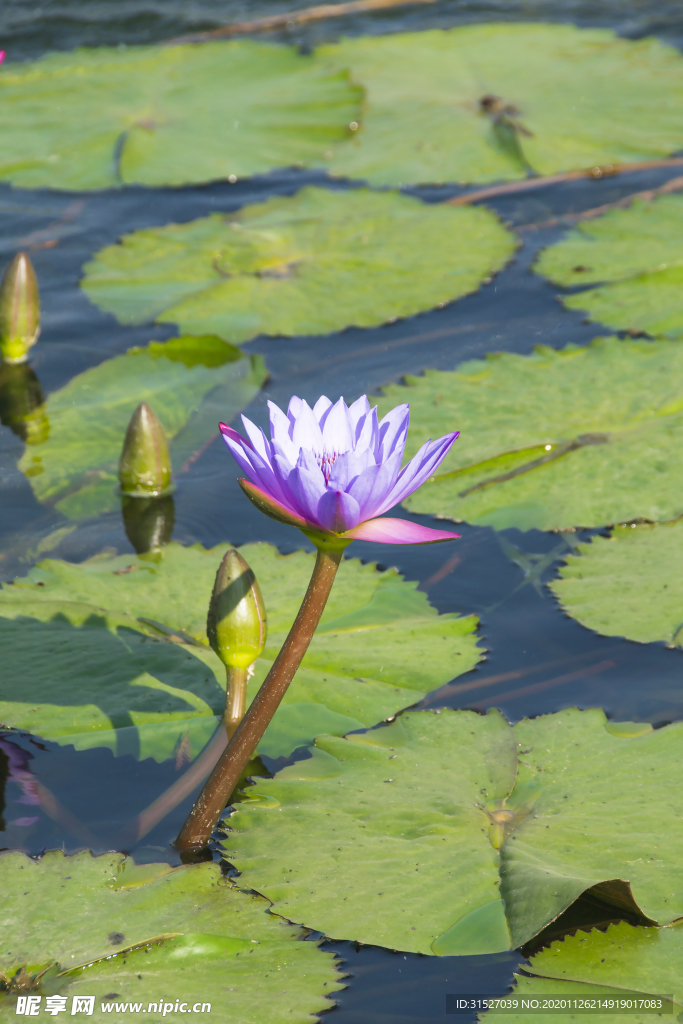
x: 380, y: 647
x: 390, y: 830
x: 627, y: 584
x: 634, y: 258
x: 123, y: 933
x: 168, y: 115
x: 616, y: 829
x: 313, y: 263
x: 581, y: 437
x: 74, y: 668
x: 453, y: 833
x: 191, y: 383
x: 555, y: 98
x: 617, y: 964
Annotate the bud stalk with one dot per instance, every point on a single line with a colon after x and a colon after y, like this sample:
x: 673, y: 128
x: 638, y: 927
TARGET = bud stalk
x: 236, y: 627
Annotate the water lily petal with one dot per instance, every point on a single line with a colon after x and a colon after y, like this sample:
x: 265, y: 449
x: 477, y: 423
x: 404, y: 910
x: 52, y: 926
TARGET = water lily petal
x: 251, y: 463
x: 419, y: 469
x: 393, y: 429
x: 275, y: 509
x: 371, y: 486
x: 358, y: 411
x: 321, y: 409
x: 398, y: 531
x: 259, y: 441
x: 306, y: 485
x: 367, y: 431
x: 347, y: 467
x: 280, y: 431
x: 337, y: 433
x: 337, y: 511
x: 306, y: 433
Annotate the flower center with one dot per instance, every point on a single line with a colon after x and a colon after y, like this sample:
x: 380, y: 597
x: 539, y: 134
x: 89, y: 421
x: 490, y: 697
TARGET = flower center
x: 326, y: 460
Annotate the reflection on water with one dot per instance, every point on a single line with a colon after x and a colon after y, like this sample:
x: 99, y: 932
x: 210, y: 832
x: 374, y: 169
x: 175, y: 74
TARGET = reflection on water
x: 148, y: 522
x: 538, y: 660
x: 22, y: 403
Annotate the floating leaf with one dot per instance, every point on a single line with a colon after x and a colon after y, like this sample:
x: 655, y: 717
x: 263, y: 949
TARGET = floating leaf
x: 590, y: 827
x: 167, y: 115
x: 191, y: 383
x: 621, y: 962
x: 628, y: 584
x: 389, y: 828
x: 581, y: 437
x: 127, y: 933
x: 313, y: 263
x: 494, y: 102
x: 380, y: 646
x: 74, y: 668
x: 634, y: 257
x: 406, y: 822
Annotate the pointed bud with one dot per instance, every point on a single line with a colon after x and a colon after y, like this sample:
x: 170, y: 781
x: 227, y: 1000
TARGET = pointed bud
x: 236, y: 624
x: 19, y: 310
x: 145, y: 463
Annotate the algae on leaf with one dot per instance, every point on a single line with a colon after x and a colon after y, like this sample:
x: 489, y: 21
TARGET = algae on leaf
x: 312, y: 263
x: 168, y: 115
x: 453, y: 833
x: 634, y: 260
x: 127, y: 933
x: 171, y: 691
x: 494, y: 102
x: 581, y: 437
x: 628, y: 584
x: 190, y: 382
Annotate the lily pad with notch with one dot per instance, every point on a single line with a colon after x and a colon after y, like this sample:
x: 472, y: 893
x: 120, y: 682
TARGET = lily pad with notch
x: 454, y: 834
x: 582, y: 437
x: 140, y: 933
x: 627, y: 584
x: 632, y: 261
x: 168, y: 115
x: 380, y: 647
x: 312, y: 263
x: 190, y: 382
x: 623, y: 963
x: 498, y: 102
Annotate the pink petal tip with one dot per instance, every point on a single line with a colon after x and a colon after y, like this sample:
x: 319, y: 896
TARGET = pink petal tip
x: 398, y: 531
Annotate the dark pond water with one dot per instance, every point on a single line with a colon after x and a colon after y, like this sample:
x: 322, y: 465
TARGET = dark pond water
x: 538, y: 660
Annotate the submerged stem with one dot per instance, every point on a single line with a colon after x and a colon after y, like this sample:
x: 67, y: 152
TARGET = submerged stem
x: 218, y: 789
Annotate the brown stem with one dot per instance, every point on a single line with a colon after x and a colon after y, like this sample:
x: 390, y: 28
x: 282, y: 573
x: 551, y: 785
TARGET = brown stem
x: 218, y: 789
x: 235, y: 698
x: 673, y: 185
x: 290, y: 18
x: 587, y: 172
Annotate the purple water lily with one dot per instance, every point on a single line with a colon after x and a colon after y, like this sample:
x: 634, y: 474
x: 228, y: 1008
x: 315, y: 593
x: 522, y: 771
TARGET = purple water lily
x: 334, y: 469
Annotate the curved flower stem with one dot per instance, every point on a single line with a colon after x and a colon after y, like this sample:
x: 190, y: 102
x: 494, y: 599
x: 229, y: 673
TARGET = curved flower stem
x: 218, y: 789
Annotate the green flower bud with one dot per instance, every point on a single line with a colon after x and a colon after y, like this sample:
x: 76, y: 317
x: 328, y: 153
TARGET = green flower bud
x: 145, y: 463
x: 236, y: 624
x: 19, y: 310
